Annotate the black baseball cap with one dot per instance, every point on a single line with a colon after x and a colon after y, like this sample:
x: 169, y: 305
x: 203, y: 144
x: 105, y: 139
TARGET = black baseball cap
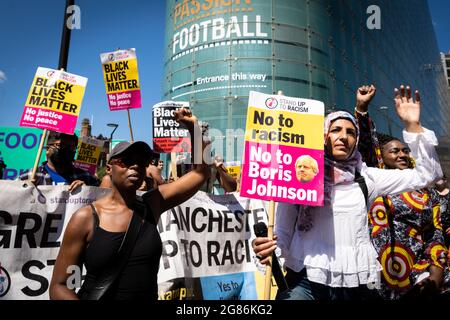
x: 138, y: 147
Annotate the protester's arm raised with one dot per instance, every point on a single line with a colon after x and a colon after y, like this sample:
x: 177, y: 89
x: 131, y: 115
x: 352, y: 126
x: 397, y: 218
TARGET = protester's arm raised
x: 364, y: 96
x: 367, y: 145
x: 421, y: 142
x: 73, y: 244
x: 172, y: 194
x: 408, y: 110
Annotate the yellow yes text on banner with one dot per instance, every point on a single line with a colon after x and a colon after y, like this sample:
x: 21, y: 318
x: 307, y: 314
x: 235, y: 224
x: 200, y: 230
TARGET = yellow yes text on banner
x: 54, y: 101
x: 284, y: 128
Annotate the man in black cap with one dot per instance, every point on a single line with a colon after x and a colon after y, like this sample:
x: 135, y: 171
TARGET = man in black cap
x: 59, y: 168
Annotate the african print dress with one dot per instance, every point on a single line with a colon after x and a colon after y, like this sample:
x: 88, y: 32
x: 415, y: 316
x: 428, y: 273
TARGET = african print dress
x: 408, y: 238
x: 445, y: 218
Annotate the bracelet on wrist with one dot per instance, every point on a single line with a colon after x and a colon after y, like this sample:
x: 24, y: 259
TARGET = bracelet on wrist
x: 361, y: 112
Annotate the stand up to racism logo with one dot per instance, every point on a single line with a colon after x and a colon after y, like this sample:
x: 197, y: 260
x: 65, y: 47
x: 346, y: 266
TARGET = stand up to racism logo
x: 5, y: 281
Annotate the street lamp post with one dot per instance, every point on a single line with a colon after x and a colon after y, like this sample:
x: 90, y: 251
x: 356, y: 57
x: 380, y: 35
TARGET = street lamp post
x: 384, y: 109
x: 112, y: 125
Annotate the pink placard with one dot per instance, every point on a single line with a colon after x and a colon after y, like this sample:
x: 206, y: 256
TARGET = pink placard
x: 91, y: 168
x: 124, y: 100
x: 48, y: 119
x: 269, y: 173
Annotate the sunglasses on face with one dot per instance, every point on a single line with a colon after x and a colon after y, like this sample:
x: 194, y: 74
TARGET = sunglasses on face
x: 129, y: 161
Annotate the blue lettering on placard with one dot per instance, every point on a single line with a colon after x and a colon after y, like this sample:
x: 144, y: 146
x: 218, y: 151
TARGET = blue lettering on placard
x: 13, y: 174
x: 26, y: 141
x: 13, y: 140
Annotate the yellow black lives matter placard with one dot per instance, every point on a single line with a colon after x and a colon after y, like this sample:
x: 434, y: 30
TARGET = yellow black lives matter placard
x: 54, y: 100
x: 120, y: 73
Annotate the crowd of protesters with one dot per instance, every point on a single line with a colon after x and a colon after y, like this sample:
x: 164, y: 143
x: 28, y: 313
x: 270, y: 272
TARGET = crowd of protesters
x: 396, y: 251
x: 386, y: 202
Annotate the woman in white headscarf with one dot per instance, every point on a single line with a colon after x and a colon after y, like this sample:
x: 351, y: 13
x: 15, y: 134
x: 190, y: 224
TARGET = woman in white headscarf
x: 327, y: 250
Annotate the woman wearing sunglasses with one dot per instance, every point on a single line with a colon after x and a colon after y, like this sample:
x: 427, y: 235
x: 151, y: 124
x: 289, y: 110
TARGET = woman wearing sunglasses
x: 98, y: 235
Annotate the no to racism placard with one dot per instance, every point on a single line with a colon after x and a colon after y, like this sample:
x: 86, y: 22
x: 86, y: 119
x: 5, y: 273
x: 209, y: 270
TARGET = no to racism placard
x: 121, y: 77
x: 54, y: 101
x: 284, y: 157
x: 168, y: 134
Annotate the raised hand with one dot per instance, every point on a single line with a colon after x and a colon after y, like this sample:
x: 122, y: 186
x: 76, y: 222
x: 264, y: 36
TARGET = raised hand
x: 218, y: 161
x: 186, y: 117
x: 364, y: 95
x: 408, y: 109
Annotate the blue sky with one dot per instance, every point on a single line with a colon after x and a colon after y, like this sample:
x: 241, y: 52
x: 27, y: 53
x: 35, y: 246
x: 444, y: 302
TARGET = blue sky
x: 30, y: 37
x: 440, y: 10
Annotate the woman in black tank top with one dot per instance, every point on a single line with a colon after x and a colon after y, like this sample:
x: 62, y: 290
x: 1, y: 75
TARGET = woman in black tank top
x: 116, y: 238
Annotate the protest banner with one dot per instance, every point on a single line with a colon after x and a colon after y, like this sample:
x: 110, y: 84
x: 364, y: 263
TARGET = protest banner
x: 284, y: 157
x: 54, y: 101
x: 168, y: 135
x: 89, y: 150
x: 207, y: 252
x: 206, y: 242
x: 33, y: 220
x: 121, y: 76
x: 18, y: 148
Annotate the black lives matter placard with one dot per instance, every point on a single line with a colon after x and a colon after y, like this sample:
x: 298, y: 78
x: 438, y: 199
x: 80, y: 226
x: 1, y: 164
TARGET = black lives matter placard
x: 168, y: 134
x: 54, y: 101
x: 120, y: 72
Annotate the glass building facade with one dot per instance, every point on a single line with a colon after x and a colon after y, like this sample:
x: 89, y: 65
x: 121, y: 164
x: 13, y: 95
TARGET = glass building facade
x: 446, y: 65
x: 219, y: 50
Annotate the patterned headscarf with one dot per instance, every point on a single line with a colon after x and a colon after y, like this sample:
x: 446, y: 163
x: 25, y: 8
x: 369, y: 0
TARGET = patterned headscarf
x: 342, y: 171
x: 336, y: 172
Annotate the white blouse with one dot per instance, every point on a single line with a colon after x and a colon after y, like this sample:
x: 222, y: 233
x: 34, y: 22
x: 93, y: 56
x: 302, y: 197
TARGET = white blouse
x: 337, y: 250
